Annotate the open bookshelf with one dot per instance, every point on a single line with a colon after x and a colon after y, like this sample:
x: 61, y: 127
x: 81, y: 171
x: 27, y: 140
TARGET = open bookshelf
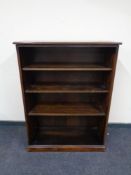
x: 67, y: 90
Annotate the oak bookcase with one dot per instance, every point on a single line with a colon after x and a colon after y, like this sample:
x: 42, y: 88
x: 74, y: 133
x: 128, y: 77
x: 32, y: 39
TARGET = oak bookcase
x: 67, y: 88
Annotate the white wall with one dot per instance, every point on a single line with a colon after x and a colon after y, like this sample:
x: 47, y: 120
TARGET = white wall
x: 64, y: 20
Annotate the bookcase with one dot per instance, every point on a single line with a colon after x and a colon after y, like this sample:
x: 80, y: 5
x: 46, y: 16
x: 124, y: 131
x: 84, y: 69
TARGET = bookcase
x: 67, y: 89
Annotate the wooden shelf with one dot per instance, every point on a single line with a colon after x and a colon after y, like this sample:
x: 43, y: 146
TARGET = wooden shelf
x: 65, y: 67
x: 66, y: 139
x: 66, y: 110
x: 65, y: 88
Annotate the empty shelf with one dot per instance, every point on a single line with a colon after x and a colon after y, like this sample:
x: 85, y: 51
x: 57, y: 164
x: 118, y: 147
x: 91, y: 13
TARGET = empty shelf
x: 67, y: 136
x: 64, y: 88
x: 66, y: 110
x: 66, y: 67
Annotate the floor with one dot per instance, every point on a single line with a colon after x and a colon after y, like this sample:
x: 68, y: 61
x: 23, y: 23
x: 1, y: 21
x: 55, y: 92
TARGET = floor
x: 14, y: 160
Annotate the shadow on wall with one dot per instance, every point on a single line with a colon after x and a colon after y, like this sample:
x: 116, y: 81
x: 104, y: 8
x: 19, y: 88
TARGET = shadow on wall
x: 120, y: 106
x: 10, y: 90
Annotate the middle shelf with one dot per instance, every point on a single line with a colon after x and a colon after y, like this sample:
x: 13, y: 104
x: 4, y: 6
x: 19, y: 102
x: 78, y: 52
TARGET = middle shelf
x: 66, y: 82
x: 66, y: 104
x: 66, y: 88
x: 67, y: 110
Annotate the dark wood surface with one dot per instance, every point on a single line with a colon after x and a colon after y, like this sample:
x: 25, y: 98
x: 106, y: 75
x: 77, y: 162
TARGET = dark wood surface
x: 68, y: 43
x: 67, y: 89
x: 65, y: 67
x: 66, y: 148
x: 66, y: 110
x: 67, y: 136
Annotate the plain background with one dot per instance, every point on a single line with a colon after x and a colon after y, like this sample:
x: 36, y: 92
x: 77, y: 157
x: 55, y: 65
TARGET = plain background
x: 64, y: 20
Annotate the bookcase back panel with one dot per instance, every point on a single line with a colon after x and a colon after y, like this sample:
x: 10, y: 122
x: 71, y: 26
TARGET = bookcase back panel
x: 57, y: 130
x: 67, y: 121
x: 67, y: 55
x: 54, y: 77
x: 66, y: 98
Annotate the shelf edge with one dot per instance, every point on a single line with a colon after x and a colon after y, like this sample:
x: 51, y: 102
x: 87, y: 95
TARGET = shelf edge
x: 66, y: 148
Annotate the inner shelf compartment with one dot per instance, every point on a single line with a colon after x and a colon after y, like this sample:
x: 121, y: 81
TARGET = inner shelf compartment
x: 66, y: 82
x: 66, y: 130
x: 66, y: 104
x: 66, y: 58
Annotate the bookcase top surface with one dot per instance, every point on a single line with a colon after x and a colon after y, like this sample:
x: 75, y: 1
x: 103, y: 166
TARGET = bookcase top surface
x: 66, y: 43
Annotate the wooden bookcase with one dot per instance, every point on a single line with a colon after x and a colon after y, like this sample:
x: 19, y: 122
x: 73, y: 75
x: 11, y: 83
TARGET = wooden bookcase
x: 67, y: 90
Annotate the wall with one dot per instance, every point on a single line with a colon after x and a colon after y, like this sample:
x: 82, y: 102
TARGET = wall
x: 68, y: 20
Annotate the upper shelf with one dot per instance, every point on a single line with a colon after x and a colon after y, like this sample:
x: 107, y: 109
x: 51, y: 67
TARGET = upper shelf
x: 65, y: 67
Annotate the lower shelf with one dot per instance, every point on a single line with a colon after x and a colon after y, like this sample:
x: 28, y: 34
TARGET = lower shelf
x: 67, y: 148
x: 67, y: 139
x: 67, y: 136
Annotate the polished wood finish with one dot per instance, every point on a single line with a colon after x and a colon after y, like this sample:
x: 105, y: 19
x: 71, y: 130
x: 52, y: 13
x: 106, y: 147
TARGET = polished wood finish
x: 67, y: 88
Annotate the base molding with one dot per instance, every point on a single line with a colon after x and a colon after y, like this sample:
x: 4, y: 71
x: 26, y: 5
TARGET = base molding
x: 66, y: 148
